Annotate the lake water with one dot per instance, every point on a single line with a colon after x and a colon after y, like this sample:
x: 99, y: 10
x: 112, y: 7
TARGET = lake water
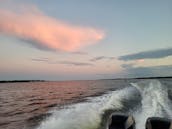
x: 82, y: 104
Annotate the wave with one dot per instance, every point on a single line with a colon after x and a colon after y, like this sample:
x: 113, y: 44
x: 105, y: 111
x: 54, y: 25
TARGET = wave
x: 86, y: 115
x: 142, y: 100
x: 155, y: 101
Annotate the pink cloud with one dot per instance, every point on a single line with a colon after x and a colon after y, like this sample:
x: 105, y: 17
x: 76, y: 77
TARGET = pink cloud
x: 140, y: 60
x: 46, y: 32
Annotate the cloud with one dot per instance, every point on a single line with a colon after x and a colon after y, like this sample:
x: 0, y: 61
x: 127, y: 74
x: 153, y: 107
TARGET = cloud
x: 97, y: 58
x: 127, y: 66
x: 40, y: 59
x: 162, y: 70
x: 160, y: 53
x: 79, y: 53
x: 101, y: 58
x: 49, y: 61
x: 44, y: 32
x: 76, y: 63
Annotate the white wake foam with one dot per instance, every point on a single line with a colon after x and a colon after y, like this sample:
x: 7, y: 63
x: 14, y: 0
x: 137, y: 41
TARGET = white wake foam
x: 86, y: 115
x: 155, y: 102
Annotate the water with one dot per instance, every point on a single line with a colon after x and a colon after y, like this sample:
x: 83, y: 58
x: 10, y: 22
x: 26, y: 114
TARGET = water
x: 82, y: 104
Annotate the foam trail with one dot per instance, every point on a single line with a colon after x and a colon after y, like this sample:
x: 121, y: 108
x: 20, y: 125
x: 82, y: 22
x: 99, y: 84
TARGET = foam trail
x: 155, y: 102
x: 86, y: 115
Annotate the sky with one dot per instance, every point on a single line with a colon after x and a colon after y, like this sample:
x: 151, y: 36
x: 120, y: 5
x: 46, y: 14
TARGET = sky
x: 85, y: 39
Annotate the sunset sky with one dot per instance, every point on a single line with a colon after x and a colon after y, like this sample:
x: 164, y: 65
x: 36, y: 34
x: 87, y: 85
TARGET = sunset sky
x: 85, y: 39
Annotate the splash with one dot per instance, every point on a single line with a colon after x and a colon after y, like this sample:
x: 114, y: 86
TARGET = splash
x: 86, y: 115
x: 155, y: 102
x: 89, y: 115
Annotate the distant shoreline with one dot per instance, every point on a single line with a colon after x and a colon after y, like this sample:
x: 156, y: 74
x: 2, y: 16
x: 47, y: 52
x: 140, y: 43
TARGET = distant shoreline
x: 153, y: 77
x: 18, y: 81
x: 138, y: 78
x: 14, y: 81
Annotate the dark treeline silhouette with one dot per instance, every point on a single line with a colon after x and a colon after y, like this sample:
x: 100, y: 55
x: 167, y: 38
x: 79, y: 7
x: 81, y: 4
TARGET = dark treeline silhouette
x: 13, y: 81
x: 139, y: 78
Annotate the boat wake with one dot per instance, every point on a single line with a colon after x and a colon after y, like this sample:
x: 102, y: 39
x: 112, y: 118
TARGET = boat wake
x: 142, y: 100
x: 155, y: 102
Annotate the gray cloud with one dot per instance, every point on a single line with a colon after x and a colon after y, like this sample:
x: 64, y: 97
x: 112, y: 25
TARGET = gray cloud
x: 76, y: 63
x: 97, y: 58
x: 101, y: 58
x: 127, y: 66
x: 49, y: 61
x: 160, y: 53
x: 40, y: 59
x: 34, y: 44
x: 80, y: 53
x: 162, y: 70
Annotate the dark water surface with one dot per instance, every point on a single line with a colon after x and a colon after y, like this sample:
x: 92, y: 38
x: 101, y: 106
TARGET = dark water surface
x: 25, y: 104
x: 81, y: 104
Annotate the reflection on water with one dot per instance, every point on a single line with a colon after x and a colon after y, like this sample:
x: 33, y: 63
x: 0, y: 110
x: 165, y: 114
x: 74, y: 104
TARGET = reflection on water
x: 24, y: 105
